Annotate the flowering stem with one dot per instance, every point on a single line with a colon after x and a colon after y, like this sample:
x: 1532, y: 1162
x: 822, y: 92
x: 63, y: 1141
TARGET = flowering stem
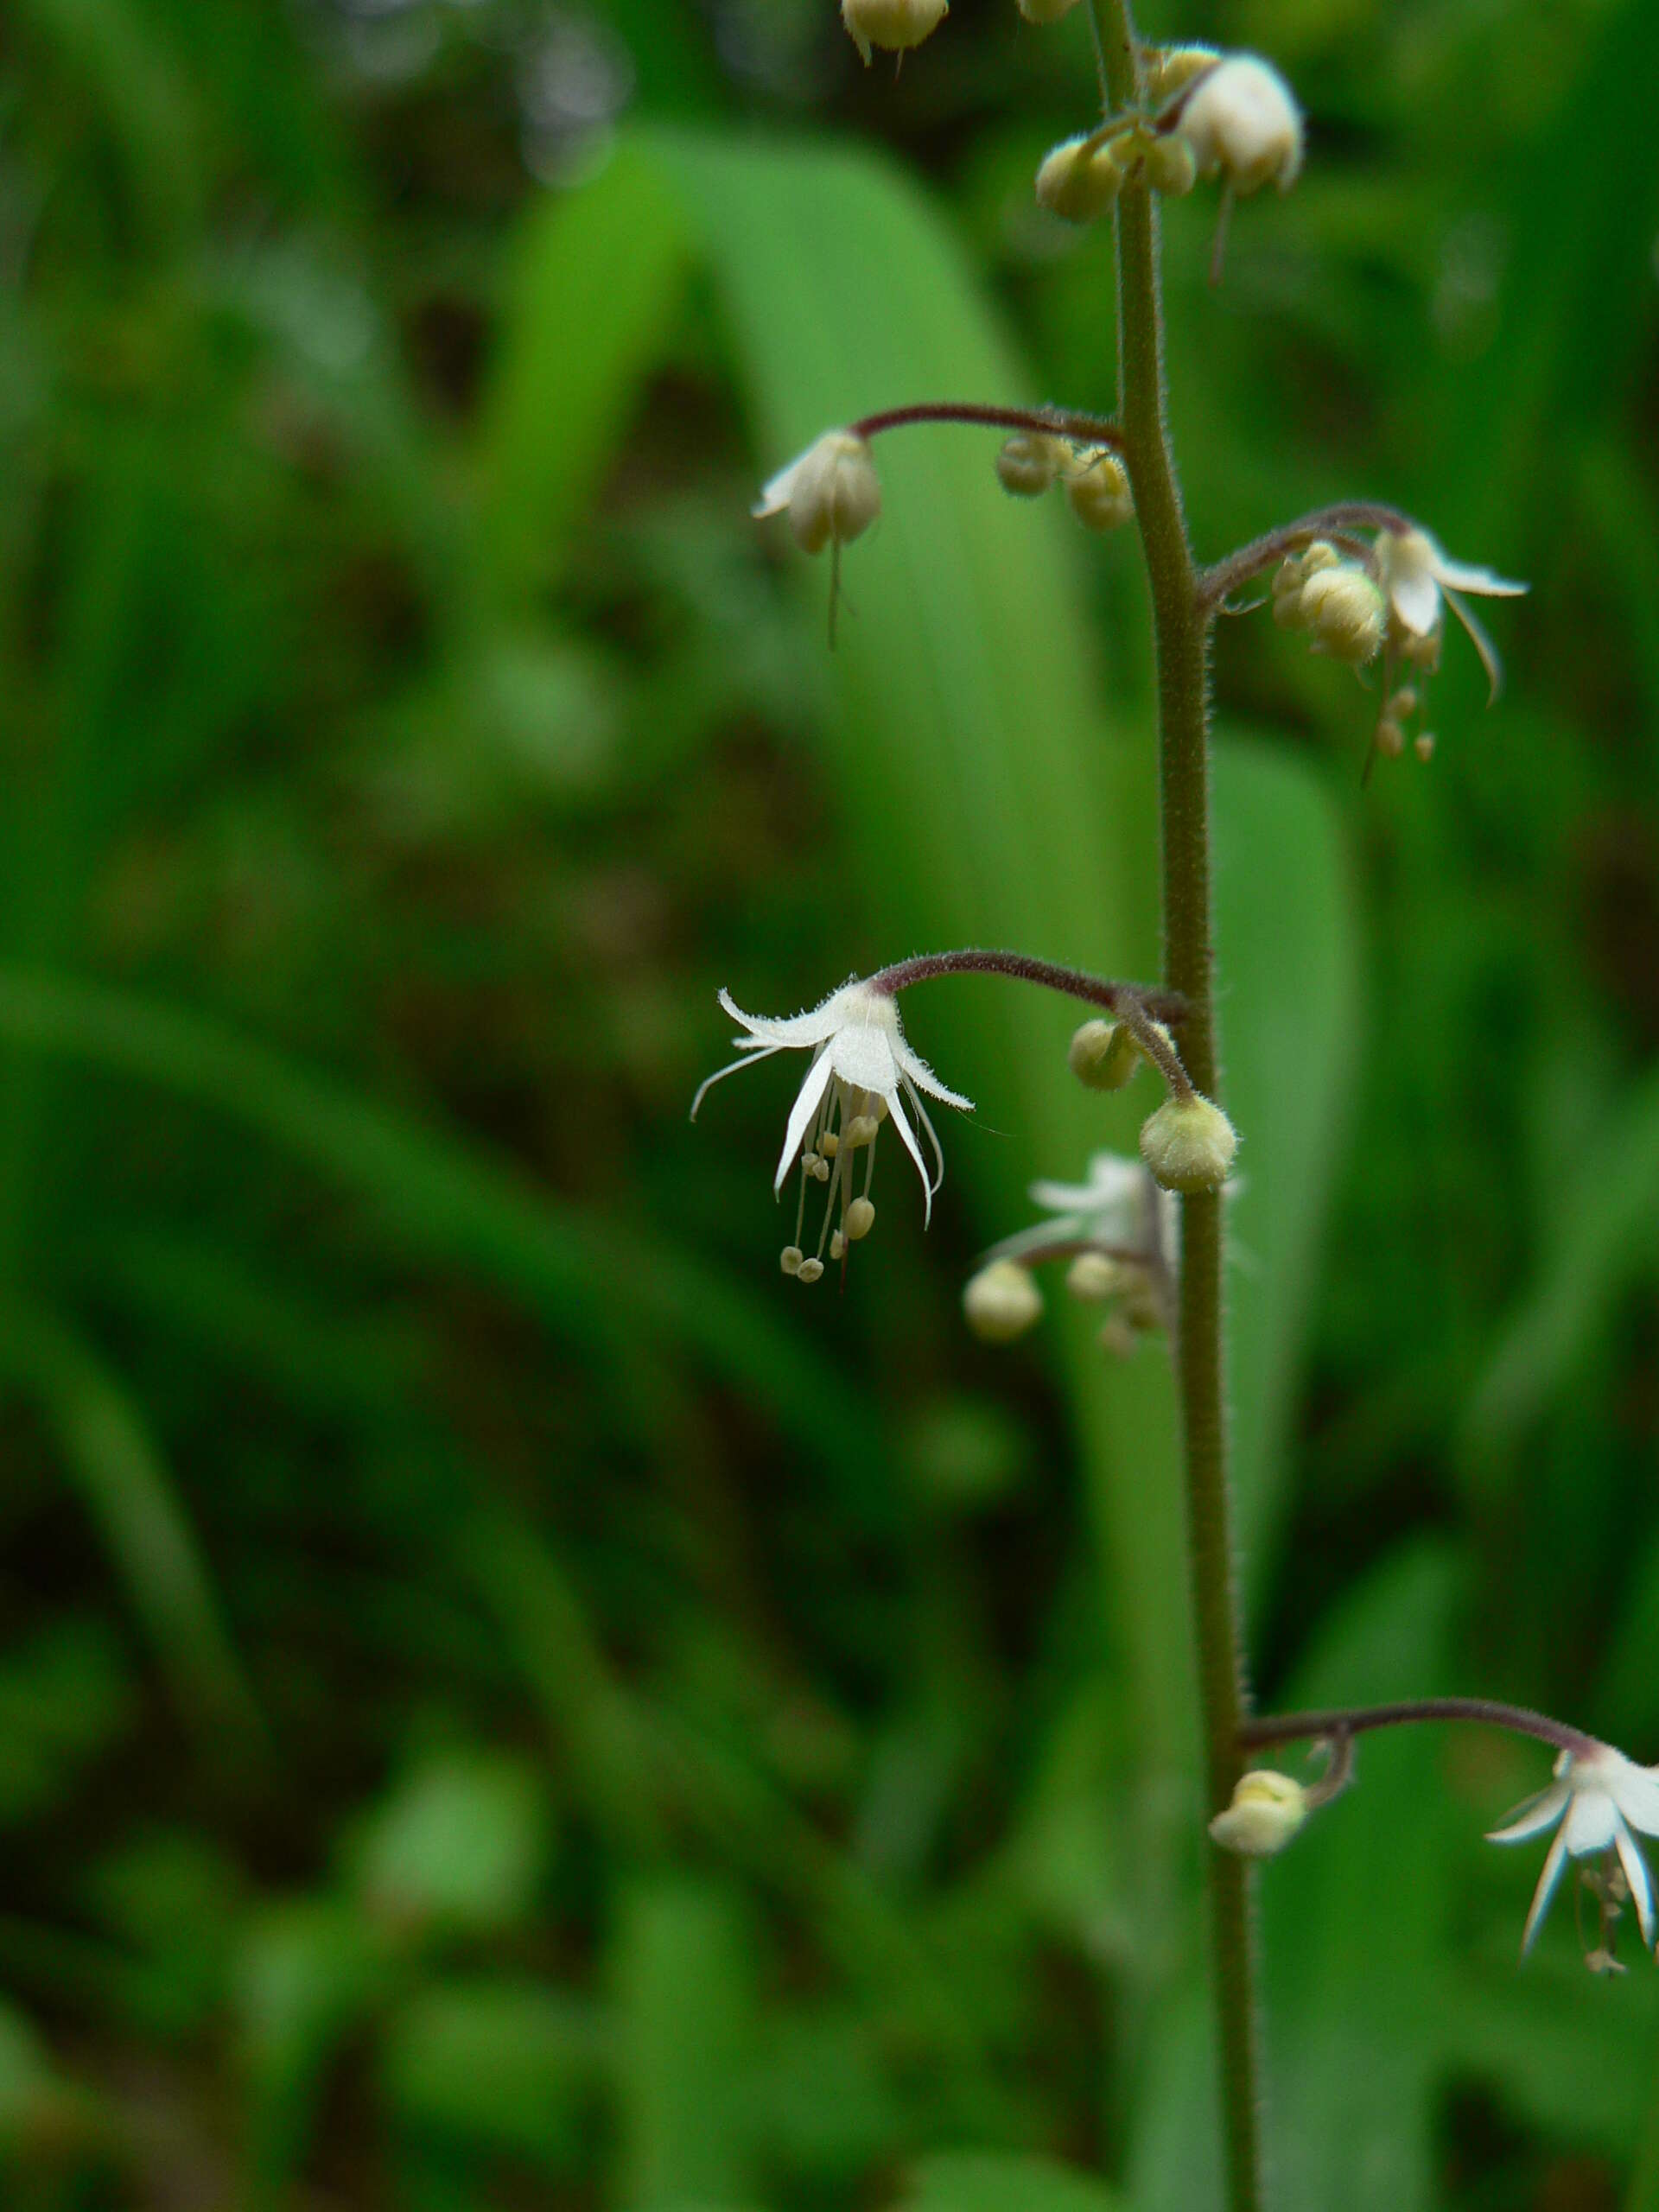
x: 1075, y: 982
x: 1041, y: 421
x: 1218, y: 581
x: 1340, y: 1722
x: 1181, y: 622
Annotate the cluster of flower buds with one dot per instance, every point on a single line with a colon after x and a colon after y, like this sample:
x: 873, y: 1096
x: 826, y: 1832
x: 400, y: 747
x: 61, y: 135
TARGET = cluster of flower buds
x: 1096, y: 482
x: 1206, y: 115
x: 1116, y: 1231
x: 1336, y: 600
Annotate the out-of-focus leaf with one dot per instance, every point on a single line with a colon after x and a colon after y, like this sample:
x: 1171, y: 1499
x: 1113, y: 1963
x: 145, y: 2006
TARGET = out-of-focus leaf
x: 459, y: 1847
x: 501, y: 2066
x: 63, y: 1696
x: 993, y: 2181
x: 587, y: 1279
x: 1355, y: 1924
x: 113, y: 1461
x: 1286, y: 925
x: 685, y: 1977
x: 1605, y: 1239
x: 600, y: 273
x: 308, y: 1972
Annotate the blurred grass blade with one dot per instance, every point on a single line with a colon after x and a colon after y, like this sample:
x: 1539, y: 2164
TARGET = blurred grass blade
x: 685, y: 1974
x: 1606, y: 1241
x: 587, y: 1280
x: 993, y: 2181
x: 110, y: 1456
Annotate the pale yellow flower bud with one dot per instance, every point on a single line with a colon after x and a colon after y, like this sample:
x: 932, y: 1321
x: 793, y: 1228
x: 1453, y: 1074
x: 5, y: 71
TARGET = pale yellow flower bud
x: 1098, y: 489
x: 1345, y: 612
x: 1268, y: 1811
x: 1189, y: 1144
x: 894, y: 25
x: 1102, y: 1055
x: 1096, y: 1276
x: 1028, y: 463
x: 1168, y: 68
x: 1001, y: 1301
x: 1077, y: 182
x: 1170, y: 166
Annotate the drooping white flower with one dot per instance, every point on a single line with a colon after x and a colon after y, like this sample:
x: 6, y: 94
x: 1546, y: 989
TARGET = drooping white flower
x: 863, y: 1072
x: 1118, y: 1206
x: 1414, y: 574
x: 1598, y: 1797
x: 830, y: 492
x: 1241, y: 120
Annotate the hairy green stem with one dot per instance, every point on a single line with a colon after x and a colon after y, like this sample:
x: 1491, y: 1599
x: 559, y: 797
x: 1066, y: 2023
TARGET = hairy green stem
x: 1181, y: 622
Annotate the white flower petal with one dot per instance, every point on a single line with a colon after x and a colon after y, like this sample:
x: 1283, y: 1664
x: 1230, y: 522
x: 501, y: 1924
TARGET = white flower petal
x: 1457, y: 576
x: 1482, y: 643
x: 1415, y: 598
x: 1533, y: 1816
x: 923, y: 1077
x: 756, y: 1050
x: 926, y: 1120
x: 908, y: 1134
x: 1592, y: 1822
x: 808, y: 1099
x: 795, y: 1029
x: 864, y: 1058
x: 777, y: 492
x: 1636, y: 1792
x: 1545, y: 1890
x: 1635, y: 1873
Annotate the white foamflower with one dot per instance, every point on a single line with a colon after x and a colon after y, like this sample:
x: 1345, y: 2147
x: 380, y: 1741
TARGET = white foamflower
x: 1415, y: 574
x: 830, y: 492
x: 863, y: 1072
x: 1597, y: 1796
x: 1118, y: 1205
x: 1242, y: 121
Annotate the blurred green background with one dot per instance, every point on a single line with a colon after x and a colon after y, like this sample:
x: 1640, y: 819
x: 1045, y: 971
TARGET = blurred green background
x: 503, y: 1701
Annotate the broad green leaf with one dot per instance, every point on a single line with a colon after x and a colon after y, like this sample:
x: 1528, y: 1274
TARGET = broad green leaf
x: 1286, y: 934
x: 459, y: 1846
x: 684, y: 1976
x: 598, y: 274
x: 994, y: 2181
x: 505, y: 2066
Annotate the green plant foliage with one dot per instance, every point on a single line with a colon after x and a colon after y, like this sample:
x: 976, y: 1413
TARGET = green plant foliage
x: 501, y: 1702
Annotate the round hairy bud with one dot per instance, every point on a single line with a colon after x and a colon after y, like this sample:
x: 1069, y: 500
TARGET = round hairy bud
x: 835, y: 492
x: 1168, y: 68
x: 1242, y: 123
x: 1028, y: 463
x: 1102, y: 1055
x: 1189, y: 1144
x: 1345, y: 612
x: 1001, y: 1301
x: 1170, y: 166
x: 1268, y: 1809
x: 1078, y: 182
x: 1098, y: 486
x: 1096, y: 1276
x: 1046, y: 11
x: 894, y: 25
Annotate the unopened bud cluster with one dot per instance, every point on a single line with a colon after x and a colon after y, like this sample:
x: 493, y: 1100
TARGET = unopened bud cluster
x: 1269, y: 1810
x: 1208, y: 115
x: 1336, y: 601
x: 1097, y: 483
